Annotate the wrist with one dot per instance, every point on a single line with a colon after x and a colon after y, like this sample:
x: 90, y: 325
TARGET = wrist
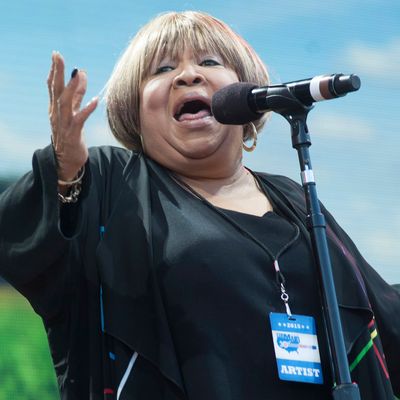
x: 77, y: 178
x: 69, y: 190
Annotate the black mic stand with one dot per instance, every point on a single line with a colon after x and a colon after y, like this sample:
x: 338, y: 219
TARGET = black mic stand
x: 296, y: 113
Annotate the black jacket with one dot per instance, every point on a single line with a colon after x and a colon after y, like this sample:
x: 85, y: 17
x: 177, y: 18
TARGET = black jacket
x: 100, y: 302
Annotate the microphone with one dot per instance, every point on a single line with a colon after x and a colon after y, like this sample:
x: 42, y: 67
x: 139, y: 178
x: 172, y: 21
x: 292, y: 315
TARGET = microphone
x: 243, y: 102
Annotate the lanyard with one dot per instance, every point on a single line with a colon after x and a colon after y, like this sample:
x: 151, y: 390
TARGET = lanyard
x: 279, y: 277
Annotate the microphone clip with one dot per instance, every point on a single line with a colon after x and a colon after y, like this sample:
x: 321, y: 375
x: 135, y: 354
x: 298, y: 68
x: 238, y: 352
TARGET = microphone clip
x: 280, y: 99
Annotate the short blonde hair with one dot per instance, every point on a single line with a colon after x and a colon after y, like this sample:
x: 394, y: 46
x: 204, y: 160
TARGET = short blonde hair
x: 170, y: 34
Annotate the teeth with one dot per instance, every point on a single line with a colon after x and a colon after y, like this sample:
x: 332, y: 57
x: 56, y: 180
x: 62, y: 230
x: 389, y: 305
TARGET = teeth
x: 190, y: 117
x: 180, y: 109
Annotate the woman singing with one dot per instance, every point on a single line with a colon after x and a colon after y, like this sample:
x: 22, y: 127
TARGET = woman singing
x: 158, y: 268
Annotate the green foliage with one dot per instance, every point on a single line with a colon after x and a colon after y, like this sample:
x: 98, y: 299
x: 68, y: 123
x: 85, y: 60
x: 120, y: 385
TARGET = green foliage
x: 26, y: 371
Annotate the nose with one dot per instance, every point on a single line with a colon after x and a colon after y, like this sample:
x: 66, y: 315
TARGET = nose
x: 188, y: 76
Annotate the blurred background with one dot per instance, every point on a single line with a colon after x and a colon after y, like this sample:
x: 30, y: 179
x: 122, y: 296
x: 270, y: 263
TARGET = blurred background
x: 355, y: 138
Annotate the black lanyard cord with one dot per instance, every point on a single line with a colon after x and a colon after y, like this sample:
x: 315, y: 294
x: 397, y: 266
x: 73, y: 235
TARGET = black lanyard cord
x: 279, y: 277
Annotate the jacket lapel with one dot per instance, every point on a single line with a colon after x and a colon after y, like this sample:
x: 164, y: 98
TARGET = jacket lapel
x: 132, y: 304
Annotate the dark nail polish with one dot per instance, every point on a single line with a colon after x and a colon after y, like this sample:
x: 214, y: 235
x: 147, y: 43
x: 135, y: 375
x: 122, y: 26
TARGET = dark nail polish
x: 74, y: 73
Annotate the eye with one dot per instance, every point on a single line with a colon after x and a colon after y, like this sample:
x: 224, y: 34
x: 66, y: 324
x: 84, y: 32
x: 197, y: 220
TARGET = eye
x: 164, y: 68
x: 209, y: 62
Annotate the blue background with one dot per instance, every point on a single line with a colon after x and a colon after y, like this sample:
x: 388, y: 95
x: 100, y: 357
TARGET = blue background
x: 355, y: 138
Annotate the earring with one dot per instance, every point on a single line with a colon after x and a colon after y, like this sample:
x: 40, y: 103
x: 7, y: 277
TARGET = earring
x: 141, y: 142
x: 254, y: 134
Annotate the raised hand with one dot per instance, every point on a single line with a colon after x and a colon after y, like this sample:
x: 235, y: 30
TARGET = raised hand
x: 67, y: 118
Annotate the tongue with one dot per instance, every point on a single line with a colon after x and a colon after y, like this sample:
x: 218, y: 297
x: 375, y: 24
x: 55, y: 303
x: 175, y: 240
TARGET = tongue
x: 198, y: 115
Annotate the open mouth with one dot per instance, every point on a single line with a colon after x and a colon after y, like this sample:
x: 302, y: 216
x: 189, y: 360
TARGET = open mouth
x: 194, y: 109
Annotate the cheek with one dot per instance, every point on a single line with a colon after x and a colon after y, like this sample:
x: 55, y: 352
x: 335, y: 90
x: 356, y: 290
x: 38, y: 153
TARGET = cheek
x: 228, y: 77
x: 153, y: 97
x: 153, y: 112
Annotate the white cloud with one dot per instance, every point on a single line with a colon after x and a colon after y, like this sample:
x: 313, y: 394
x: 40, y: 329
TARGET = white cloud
x: 341, y: 126
x: 379, y: 61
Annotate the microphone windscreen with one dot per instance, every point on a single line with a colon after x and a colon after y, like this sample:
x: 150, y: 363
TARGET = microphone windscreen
x: 230, y: 106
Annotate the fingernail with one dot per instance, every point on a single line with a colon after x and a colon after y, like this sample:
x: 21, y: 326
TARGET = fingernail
x: 74, y: 73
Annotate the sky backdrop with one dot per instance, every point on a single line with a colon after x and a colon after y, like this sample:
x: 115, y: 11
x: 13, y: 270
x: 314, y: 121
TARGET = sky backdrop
x: 355, y: 138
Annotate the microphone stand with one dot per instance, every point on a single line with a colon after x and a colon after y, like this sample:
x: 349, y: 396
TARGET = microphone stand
x: 296, y: 113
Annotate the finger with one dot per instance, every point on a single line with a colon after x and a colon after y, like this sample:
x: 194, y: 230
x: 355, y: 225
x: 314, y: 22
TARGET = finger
x: 81, y: 117
x: 58, y: 76
x: 79, y: 92
x: 57, y: 87
x: 65, y: 106
x: 50, y: 82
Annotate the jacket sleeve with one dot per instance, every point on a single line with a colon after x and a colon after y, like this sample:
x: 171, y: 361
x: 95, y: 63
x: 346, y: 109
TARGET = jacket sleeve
x: 35, y: 250
x: 385, y: 303
x: 47, y: 249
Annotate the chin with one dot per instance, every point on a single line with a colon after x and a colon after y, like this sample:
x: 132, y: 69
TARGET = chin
x: 200, y: 149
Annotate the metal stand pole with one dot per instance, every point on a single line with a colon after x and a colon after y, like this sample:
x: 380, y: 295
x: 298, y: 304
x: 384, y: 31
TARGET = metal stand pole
x: 296, y: 114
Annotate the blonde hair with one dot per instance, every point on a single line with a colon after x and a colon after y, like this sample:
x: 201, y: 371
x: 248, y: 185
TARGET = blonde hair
x: 170, y: 34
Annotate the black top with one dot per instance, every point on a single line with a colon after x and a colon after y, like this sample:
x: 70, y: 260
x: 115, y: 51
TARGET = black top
x: 219, y: 287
